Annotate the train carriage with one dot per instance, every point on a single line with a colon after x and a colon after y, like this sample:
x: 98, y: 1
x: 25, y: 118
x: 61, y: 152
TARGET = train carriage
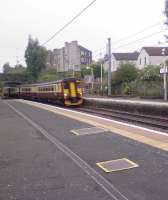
x: 10, y: 92
x: 10, y: 89
x: 66, y: 92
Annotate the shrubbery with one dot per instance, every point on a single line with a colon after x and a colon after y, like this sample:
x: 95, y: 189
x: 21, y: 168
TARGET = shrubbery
x: 128, y: 80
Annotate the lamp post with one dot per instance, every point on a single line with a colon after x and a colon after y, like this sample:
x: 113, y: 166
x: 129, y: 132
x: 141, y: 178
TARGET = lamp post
x: 164, y: 75
x: 92, y: 75
x: 101, y: 79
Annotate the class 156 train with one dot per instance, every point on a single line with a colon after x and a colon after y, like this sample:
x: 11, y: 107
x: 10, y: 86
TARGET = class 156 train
x: 67, y: 92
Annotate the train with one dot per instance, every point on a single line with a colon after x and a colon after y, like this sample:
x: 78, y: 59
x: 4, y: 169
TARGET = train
x: 66, y: 92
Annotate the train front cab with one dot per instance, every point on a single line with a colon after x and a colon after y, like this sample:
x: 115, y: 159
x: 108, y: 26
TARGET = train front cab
x: 73, y: 94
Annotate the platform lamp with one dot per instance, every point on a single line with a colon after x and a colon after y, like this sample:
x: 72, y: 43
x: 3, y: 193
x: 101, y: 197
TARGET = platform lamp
x: 92, y: 75
x: 164, y: 74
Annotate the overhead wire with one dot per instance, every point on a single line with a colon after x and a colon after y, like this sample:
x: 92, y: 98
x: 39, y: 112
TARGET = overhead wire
x: 69, y: 22
x: 137, y: 33
x: 140, y: 39
x: 132, y: 35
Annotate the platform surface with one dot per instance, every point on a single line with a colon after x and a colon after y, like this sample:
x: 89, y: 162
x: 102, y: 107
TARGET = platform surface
x: 31, y: 167
x: 156, y: 103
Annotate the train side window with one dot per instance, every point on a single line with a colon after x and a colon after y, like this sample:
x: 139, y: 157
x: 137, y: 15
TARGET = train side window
x: 65, y: 85
x: 78, y: 83
x: 56, y: 87
x: 60, y: 87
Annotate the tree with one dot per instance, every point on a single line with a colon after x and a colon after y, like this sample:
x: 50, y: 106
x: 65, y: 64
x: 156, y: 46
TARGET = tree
x: 35, y: 56
x: 126, y: 72
x: 6, y: 68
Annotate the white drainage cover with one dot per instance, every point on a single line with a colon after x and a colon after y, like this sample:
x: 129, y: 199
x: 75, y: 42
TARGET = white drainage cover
x: 88, y: 131
x: 116, y: 165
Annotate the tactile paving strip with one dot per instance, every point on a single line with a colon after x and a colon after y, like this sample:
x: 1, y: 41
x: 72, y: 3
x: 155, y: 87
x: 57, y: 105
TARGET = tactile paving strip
x: 117, y: 165
x: 88, y: 131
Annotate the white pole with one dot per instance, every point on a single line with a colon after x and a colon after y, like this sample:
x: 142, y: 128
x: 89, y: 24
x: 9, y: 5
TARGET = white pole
x: 73, y: 71
x: 92, y: 78
x: 165, y: 75
x: 165, y: 82
x: 109, y: 68
x: 101, y: 80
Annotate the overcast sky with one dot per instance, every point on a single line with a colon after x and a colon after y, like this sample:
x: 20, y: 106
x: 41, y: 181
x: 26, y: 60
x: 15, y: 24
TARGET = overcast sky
x: 105, y: 18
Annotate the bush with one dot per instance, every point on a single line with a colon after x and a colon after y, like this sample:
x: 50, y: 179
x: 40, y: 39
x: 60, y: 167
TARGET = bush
x: 125, y: 73
x: 48, y: 75
x: 148, y: 82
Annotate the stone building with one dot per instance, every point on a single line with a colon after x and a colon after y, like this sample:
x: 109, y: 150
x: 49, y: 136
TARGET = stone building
x: 69, y: 58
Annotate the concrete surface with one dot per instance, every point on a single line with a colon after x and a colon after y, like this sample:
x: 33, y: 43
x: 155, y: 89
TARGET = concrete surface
x: 32, y: 168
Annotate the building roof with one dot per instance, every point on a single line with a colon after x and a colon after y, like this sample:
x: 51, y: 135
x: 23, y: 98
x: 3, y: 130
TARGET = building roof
x: 126, y: 56
x: 83, y: 48
x: 156, y: 51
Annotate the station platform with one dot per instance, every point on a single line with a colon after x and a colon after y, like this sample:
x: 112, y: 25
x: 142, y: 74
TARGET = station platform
x: 136, y: 105
x: 155, y: 102
x: 47, y: 152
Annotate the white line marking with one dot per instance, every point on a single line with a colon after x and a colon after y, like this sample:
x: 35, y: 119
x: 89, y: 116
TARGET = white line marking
x: 109, y: 120
x: 126, y: 101
x: 113, y: 192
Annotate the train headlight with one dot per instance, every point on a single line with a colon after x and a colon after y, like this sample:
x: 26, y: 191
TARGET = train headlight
x: 80, y: 94
x: 66, y: 95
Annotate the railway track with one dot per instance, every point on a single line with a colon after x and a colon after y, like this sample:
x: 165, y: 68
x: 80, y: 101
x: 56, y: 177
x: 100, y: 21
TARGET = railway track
x: 157, y: 122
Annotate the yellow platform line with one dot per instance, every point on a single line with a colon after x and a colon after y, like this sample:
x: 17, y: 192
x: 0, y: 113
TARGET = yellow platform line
x: 100, y: 164
x: 144, y: 136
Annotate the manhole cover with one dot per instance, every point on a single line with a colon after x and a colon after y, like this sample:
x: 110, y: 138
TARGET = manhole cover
x: 88, y: 131
x: 116, y: 165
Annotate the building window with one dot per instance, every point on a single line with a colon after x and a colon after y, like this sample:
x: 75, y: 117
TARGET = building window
x: 140, y: 61
x: 145, y: 61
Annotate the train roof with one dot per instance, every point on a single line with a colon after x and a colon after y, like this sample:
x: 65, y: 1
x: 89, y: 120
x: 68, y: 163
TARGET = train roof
x: 11, y: 83
x: 51, y: 82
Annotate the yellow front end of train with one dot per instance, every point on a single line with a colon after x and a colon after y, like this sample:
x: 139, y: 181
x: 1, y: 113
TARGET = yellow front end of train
x: 73, y: 92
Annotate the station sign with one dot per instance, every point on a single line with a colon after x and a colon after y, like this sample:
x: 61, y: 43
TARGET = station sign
x: 164, y: 70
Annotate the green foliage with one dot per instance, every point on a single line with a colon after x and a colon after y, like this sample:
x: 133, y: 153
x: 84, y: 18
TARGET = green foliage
x: 148, y: 83
x: 126, y: 72
x: 22, y: 77
x: 150, y: 73
x: 6, y: 68
x: 97, y: 70
x: 17, y: 73
x: 18, y: 69
x: 35, y: 56
x: 48, y: 75
x: 52, y: 75
x: 85, y: 71
x: 166, y: 62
